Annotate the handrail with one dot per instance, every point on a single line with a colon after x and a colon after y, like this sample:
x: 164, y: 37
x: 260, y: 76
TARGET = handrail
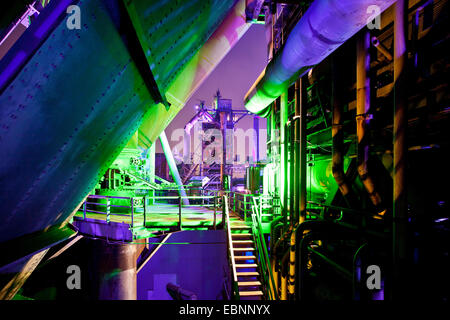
x: 230, y: 246
x: 263, y: 255
x: 108, y: 205
x: 132, y: 206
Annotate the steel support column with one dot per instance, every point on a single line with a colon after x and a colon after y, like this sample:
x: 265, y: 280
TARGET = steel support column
x: 283, y: 155
x: 363, y: 117
x: 400, y: 151
x: 172, y: 165
x: 337, y: 132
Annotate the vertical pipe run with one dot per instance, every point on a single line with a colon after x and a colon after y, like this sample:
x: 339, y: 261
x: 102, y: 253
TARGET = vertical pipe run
x: 283, y: 154
x: 222, y: 165
x: 275, y: 273
x: 179, y: 212
x: 284, y: 277
x: 292, y: 218
x: 400, y: 150
x: 291, y: 180
x: 363, y: 118
x: 300, y: 145
x: 337, y: 132
x: 256, y: 138
x: 298, y: 176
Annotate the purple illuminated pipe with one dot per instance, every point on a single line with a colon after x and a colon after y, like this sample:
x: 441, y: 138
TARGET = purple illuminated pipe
x: 325, y: 26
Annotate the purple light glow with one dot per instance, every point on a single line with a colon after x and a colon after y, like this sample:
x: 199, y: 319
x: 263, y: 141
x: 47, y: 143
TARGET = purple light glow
x: 51, y: 19
x: 12, y: 67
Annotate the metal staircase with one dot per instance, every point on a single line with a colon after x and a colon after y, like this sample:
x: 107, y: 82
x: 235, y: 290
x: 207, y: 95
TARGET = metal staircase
x: 248, y: 259
x: 248, y: 284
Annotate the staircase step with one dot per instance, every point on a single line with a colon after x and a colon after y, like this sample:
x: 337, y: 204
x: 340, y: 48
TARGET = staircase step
x: 244, y: 257
x: 240, y: 235
x: 250, y: 293
x: 240, y: 227
x: 243, y: 249
x: 247, y: 265
x: 249, y: 283
x: 242, y: 241
x: 247, y: 274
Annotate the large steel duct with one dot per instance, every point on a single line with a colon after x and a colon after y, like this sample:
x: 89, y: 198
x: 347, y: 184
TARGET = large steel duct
x: 325, y: 26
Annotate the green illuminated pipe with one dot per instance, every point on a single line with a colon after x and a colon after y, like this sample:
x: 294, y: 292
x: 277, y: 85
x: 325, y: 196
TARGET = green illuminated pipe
x: 321, y: 173
x: 325, y: 26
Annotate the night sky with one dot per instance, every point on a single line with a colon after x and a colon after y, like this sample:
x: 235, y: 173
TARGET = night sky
x: 233, y: 76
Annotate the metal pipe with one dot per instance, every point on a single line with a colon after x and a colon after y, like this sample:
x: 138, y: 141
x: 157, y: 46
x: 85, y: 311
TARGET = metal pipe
x: 301, y: 265
x: 284, y: 154
x: 255, y: 139
x: 223, y: 158
x: 340, y: 269
x: 172, y: 166
x: 297, y: 178
x: 337, y: 133
x: 274, y: 225
x: 291, y: 177
x: 380, y: 47
x: 325, y: 26
x: 178, y: 293
x: 291, y: 279
x: 400, y: 150
x: 311, y: 230
x: 363, y: 117
x: 301, y: 149
x: 357, y: 272
x: 284, y: 277
x: 275, y: 275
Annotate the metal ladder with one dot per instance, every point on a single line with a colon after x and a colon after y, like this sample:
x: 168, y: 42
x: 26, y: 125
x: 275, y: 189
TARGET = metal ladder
x: 244, y: 249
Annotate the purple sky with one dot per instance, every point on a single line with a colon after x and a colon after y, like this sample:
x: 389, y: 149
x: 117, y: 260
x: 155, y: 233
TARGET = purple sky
x: 233, y: 76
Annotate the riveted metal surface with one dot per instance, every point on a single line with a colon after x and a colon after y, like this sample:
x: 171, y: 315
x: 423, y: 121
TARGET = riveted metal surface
x: 63, y: 121
x: 175, y: 30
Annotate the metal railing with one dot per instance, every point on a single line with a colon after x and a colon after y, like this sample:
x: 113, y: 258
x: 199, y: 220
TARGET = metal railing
x: 242, y: 204
x: 141, y: 204
x: 134, y: 203
x: 262, y: 256
x: 226, y: 214
x: 214, y: 205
